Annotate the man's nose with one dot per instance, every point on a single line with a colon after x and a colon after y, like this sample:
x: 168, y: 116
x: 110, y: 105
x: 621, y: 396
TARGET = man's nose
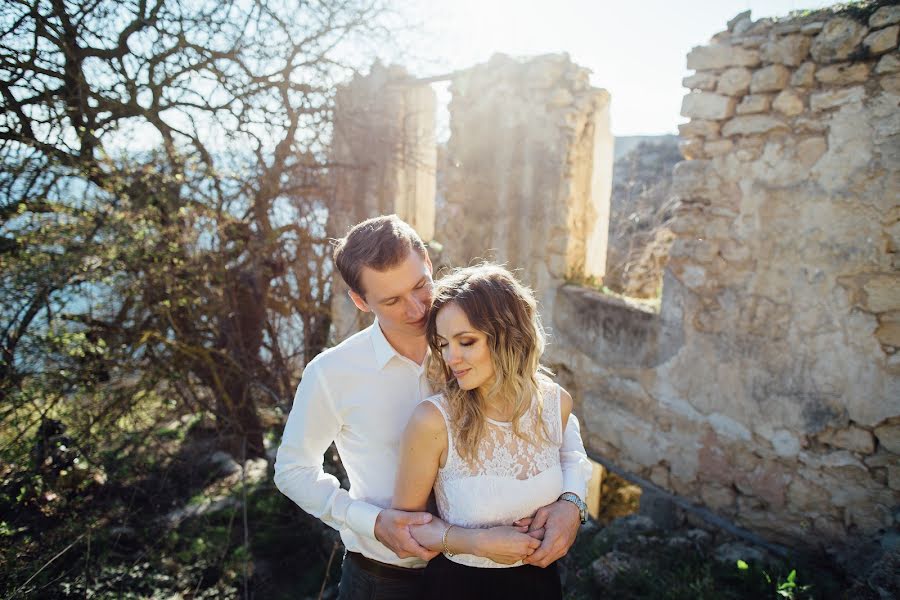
x: 416, y: 308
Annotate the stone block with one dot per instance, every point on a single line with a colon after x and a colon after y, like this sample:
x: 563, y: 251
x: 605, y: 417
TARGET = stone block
x: 753, y: 124
x: 560, y: 98
x: 886, y: 15
x: 894, y: 477
x: 834, y: 98
x: 891, y: 84
x: 700, y: 81
x: 855, y: 439
x: 889, y: 63
x: 692, y: 177
x: 706, y: 105
x: 788, y: 103
x: 888, y: 332
x: 812, y: 28
x: 810, y: 150
x: 691, y: 148
x: 837, y: 40
x: 803, y: 495
x: 785, y: 443
x: 879, y: 42
x: 889, y: 437
x: 660, y: 476
x: 770, y: 79
x: 882, y: 293
x: 742, y: 19
x: 718, y: 147
x: 717, y: 497
x: 734, y: 251
x: 699, y: 128
x: 790, y: 50
x: 785, y: 29
x: 803, y: 76
x: 754, y: 103
x: 843, y: 73
x: 720, y: 56
x: 753, y: 41
x: 734, y: 81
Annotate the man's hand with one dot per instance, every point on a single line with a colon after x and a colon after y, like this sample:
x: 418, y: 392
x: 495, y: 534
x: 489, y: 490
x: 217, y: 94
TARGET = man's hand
x: 392, y: 530
x: 560, y: 521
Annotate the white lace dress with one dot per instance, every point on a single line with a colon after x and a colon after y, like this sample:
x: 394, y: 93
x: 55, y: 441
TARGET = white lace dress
x: 511, y: 479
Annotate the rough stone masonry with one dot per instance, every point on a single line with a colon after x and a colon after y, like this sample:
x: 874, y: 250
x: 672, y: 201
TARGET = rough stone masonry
x: 767, y: 386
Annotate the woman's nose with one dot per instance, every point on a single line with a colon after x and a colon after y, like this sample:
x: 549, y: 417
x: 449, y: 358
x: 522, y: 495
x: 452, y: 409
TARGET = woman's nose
x: 451, y: 356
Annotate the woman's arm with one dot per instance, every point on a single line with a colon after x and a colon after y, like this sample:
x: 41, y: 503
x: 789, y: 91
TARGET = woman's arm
x: 423, y: 449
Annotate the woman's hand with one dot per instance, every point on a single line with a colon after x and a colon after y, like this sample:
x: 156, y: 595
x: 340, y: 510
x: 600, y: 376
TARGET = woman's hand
x: 430, y: 535
x: 506, y: 545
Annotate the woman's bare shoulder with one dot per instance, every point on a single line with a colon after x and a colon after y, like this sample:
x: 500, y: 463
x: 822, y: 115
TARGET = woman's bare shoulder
x: 427, y: 418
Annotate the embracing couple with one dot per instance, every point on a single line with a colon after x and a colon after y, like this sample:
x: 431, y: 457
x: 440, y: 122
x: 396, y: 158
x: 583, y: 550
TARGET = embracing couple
x: 444, y: 393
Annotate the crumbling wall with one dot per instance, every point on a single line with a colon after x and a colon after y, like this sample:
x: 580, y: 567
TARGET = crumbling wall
x: 767, y: 388
x: 383, y: 161
x: 767, y: 385
x: 530, y: 170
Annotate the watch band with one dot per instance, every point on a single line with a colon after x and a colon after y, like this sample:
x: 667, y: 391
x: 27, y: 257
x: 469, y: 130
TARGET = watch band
x: 574, y: 499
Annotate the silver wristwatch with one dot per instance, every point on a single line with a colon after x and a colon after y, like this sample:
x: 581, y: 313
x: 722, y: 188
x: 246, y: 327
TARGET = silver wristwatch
x: 574, y: 499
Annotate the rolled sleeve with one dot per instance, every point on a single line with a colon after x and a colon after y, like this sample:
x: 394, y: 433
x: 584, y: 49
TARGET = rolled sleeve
x: 311, y: 427
x: 573, y: 460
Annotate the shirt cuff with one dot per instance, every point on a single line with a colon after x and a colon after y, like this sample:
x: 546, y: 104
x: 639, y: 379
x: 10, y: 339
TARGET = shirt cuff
x: 572, y: 482
x: 361, y: 518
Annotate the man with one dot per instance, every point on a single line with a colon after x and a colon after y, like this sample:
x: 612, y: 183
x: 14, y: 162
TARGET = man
x: 360, y: 394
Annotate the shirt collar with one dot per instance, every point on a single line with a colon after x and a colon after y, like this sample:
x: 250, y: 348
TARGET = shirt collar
x: 384, y: 352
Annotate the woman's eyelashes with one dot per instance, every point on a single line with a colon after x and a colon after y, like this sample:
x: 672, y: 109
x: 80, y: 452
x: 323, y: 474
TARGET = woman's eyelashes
x: 466, y: 343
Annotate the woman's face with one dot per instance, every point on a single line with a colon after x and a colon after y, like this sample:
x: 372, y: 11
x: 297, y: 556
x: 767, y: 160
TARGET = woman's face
x: 464, y: 348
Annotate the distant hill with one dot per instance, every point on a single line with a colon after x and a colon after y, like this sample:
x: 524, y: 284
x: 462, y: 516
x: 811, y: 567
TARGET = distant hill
x: 638, y: 237
x: 627, y: 143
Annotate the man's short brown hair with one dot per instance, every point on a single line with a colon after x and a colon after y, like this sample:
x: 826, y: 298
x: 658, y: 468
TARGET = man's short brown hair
x: 379, y: 243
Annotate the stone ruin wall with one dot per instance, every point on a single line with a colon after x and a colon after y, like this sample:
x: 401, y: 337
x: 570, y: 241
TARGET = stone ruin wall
x: 767, y: 386
x: 384, y: 160
x: 783, y: 404
x: 524, y: 141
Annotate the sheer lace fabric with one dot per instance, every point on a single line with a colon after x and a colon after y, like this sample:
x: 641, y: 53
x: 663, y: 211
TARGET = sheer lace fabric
x: 511, y: 477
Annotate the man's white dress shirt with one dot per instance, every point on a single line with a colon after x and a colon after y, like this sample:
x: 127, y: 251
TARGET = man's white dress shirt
x: 360, y: 395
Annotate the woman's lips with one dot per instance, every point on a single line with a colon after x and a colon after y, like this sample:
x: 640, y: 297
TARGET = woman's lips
x: 462, y: 373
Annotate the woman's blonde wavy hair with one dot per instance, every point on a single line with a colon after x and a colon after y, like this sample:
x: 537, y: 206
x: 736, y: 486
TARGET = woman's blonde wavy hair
x: 506, y: 312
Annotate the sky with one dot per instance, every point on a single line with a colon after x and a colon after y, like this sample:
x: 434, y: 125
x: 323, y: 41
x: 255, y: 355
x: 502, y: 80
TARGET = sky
x: 635, y: 48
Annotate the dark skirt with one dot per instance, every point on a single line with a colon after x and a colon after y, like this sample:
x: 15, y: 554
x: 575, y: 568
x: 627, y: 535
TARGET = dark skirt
x: 447, y: 580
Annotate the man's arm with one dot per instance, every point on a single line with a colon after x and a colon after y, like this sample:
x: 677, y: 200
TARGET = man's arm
x: 559, y: 522
x: 311, y: 427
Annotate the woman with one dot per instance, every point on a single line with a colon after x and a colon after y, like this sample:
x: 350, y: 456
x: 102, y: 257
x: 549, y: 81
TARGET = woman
x: 489, y: 443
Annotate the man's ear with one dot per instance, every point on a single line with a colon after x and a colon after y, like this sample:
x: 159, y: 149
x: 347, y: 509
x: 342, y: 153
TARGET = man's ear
x: 428, y: 263
x: 359, y: 301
